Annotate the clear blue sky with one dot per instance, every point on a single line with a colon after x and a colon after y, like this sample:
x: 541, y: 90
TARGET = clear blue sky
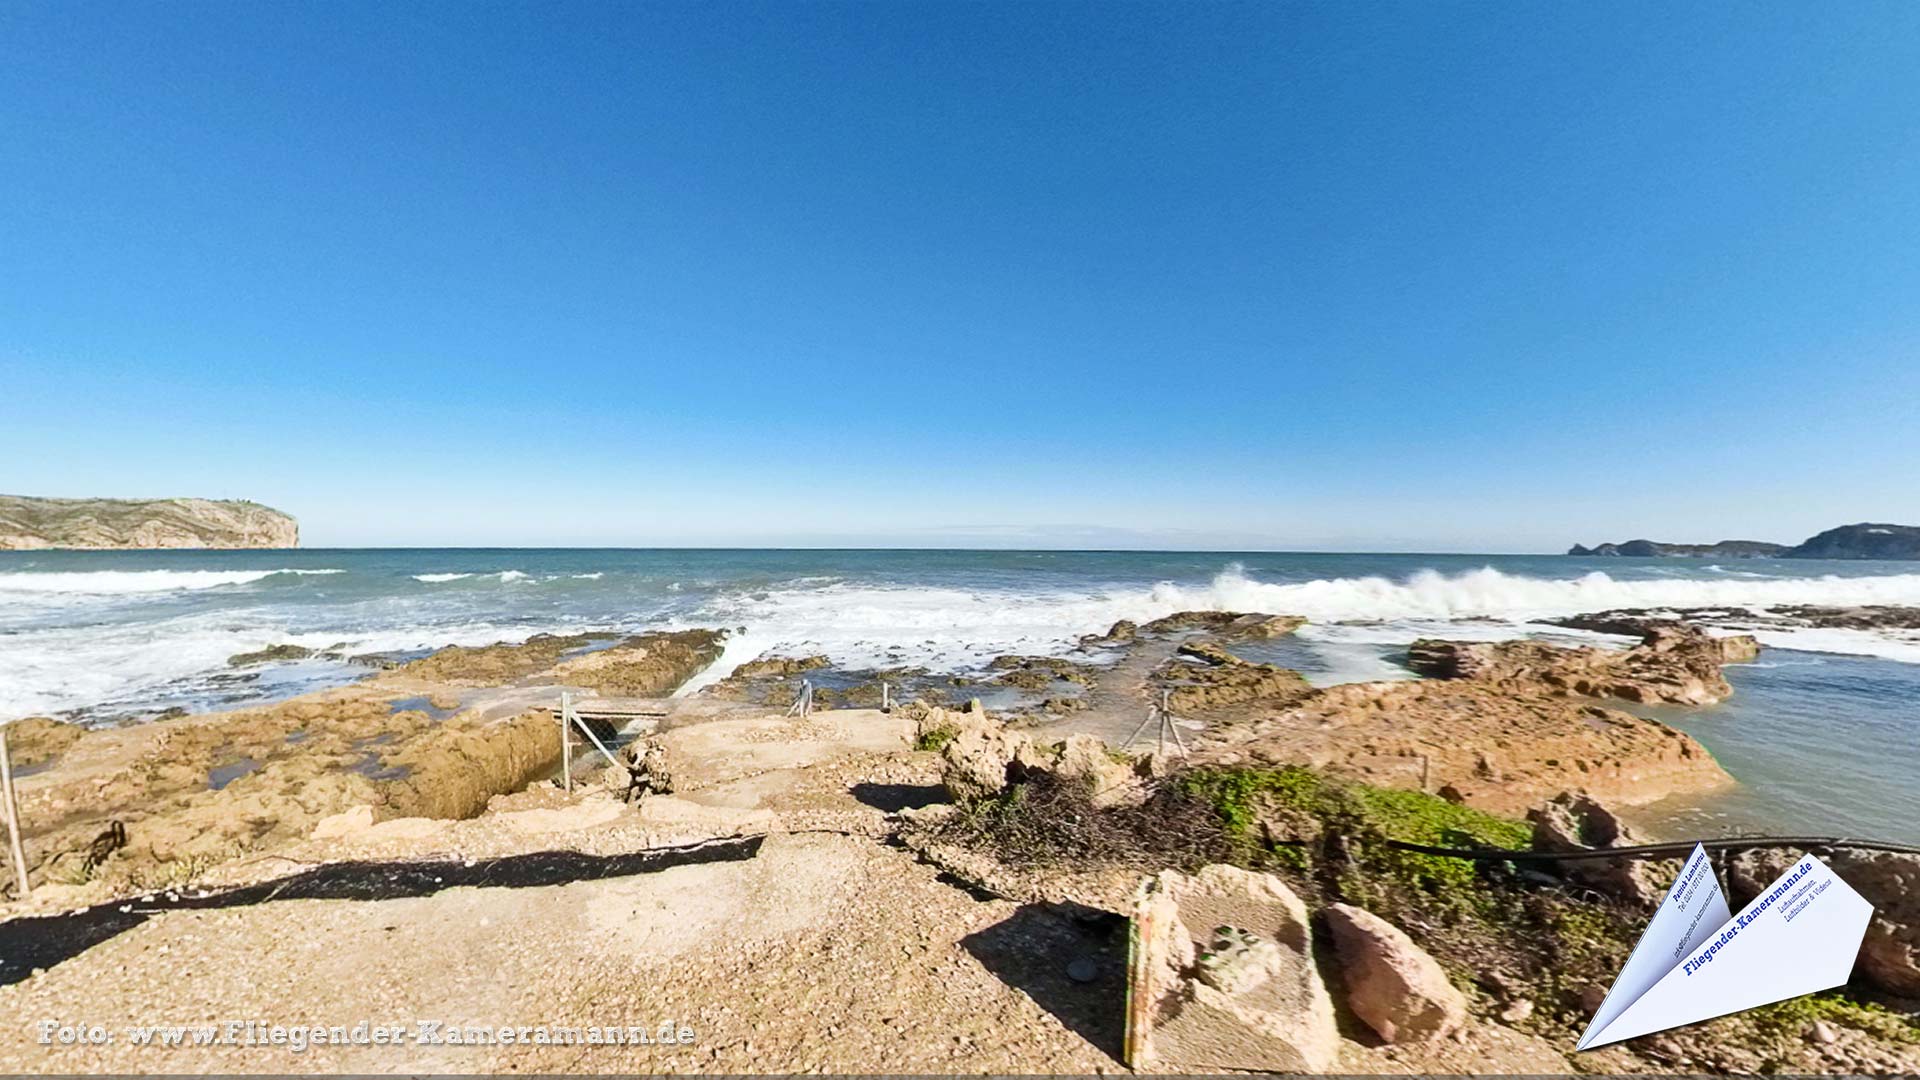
x: 1358, y: 275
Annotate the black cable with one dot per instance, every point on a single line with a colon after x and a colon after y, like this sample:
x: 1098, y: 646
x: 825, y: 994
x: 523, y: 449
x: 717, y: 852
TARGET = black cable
x: 1655, y: 851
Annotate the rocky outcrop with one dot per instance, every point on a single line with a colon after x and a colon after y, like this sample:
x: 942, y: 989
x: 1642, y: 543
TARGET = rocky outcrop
x: 1041, y: 672
x: 1224, y: 977
x: 39, y: 738
x: 1225, y: 624
x: 644, y: 665
x: 1392, y: 984
x: 1503, y: 748
x: 1890, y: 954
x: 28, y: 523
x: 1203, y: 676
x: 981, y: 758
x: 270, y: 654
x: 1574, y: 822
x: 1674, y: 662
x: 778, y: 666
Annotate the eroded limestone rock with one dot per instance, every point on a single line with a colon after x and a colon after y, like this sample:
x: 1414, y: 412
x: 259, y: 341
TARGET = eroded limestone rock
x: 1392, y: 984
x: 1573, y: 822
x: 1223, y: 977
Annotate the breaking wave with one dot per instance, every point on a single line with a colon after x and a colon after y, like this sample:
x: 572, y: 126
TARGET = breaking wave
x: 1489, y: 593
x: 132, y: 582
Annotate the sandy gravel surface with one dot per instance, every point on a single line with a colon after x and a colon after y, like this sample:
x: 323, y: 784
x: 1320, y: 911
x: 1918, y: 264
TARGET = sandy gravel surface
x: 829, y: 950
x: 822, y: 953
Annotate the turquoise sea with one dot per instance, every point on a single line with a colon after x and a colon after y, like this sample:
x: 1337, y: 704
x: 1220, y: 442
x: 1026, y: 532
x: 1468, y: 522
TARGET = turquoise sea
x: 1822, y: 731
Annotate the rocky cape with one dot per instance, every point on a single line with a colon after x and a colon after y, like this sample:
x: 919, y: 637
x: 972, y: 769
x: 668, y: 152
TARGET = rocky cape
x: 1867, y: 540
x: 30, y: 523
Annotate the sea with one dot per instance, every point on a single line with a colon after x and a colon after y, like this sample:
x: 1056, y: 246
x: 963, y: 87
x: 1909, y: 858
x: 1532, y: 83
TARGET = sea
x: 1822, y: 731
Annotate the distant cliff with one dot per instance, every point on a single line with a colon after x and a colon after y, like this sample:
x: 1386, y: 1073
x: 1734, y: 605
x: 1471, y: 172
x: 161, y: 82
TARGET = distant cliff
x: 1725, y: 549
x: 27, y: 522
x: 1863, y: 541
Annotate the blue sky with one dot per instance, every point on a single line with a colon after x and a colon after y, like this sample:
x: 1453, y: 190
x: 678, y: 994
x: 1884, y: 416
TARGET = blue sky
x: 1379, y: 276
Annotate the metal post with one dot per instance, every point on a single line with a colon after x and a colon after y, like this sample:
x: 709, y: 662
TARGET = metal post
x: 18, y: 851
x: 595, y: 740
x: 886, y: 699
x: 1143, y: 726
x: 566, y: 738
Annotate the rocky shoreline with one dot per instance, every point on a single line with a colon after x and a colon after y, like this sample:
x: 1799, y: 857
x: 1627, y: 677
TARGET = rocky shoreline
x: 1034, y: 781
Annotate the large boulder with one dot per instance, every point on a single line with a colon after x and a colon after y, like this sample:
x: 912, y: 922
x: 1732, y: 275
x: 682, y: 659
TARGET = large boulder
x: 1577, y: 822
x: 1112, y: 780
x: 1392, y: 984
x: 980, y: 761
x: 1890, y: 954
x: 1224, y: 977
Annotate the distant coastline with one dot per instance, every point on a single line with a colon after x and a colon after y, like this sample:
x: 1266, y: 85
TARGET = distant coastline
x: 1867, y: 540
x: 28, y: 523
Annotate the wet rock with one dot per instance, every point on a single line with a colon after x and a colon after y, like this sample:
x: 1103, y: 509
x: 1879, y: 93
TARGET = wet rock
x: 1204, y: 676
x: 270, y: 654
x: 780, y: 666
x: 1674, y: 662
x: 1227, y: 624
x: 1256, y: 1003
x: 645, y: 665
x: 1040, y: 672
x: 1392, y: 984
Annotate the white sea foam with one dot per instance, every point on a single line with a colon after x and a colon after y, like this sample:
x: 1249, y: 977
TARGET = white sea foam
x: 129, y: 665
x: 860, y: 624
x: 1490, y: 593
x: 133, y: 582
x: 50, y: 662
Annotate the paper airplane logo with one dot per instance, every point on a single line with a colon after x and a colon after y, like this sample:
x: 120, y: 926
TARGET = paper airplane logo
x: 1696, y: 962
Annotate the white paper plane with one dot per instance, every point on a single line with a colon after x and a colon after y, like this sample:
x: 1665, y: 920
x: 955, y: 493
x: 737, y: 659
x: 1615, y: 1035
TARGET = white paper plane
x: 1696, y: 962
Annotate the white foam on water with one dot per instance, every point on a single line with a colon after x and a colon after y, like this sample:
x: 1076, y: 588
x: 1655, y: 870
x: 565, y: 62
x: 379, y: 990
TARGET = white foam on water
x: 49, y: 668
x: 875, y: 625
x: 1490, y: 593
x: 54, y: 670
x: 131, y: 582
